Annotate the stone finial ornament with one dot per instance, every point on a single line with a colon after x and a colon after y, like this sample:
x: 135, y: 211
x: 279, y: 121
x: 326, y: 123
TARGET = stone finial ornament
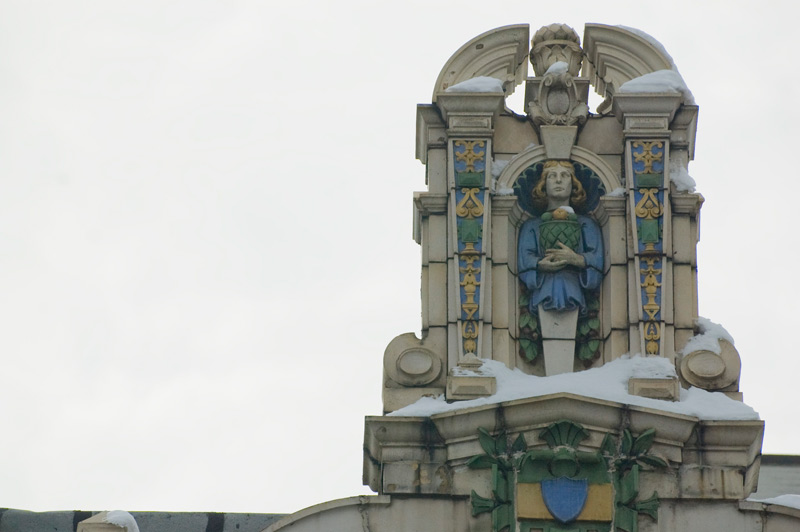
x: 554, y: 43
x: 555, y: 98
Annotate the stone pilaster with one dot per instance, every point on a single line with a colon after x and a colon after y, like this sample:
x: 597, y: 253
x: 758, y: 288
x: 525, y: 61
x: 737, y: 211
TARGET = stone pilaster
x: 470, y: 120
x: 646, y: 122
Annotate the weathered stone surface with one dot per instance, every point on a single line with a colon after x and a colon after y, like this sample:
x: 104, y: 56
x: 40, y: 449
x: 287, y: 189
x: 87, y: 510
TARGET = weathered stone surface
x: 666, y: 389
x: 464, y: 388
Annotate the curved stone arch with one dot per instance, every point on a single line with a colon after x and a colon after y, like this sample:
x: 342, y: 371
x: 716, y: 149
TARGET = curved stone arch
x: 500, y: 53
x: 616, y: 54
x: 534, y: 154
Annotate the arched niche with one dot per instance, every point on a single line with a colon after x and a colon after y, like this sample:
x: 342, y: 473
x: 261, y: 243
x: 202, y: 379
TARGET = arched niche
x: 500, y: 53
x: 535, y: 154
x: 508, y: 214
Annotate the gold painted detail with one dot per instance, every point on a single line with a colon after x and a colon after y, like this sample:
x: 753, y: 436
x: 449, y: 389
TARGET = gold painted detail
x: 470, y: 335
x: 470, y: 155
x: 470, y: 206
x: 599, y: 503
x: 648, y: 156
x: 651, y: 286
x: 468, y: 210
x: 469, y: 279
x: 649, y: 207
x: 470, y: 283
x: 652, y: 336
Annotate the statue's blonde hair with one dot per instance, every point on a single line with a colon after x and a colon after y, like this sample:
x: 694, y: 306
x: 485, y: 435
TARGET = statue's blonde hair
x: 539, y: 196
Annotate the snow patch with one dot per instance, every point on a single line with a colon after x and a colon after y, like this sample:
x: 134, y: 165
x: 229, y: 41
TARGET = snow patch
x: 608, y: 382
x: 678, y: 175
x: 788, y: 500
x: 674, y: 84
x: 659, y: 81
x: 708, y: 339
x: 122, y: 518
x: 498, y: 165
x: 653, y: 41
x: 477, y: 84
x: 559, y: 67
x: 617, y: 192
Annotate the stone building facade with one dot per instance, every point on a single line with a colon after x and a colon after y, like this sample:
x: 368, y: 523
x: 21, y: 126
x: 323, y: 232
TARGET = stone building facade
x: 564, y: 380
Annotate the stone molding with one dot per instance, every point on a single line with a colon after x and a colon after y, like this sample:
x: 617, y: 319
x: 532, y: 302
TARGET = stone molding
x: 500, y: 53
x: 698, y: 450
x: 687, y: 203
x: 615, y: 55
x: 430, y: 131
x: 580, y: 155
x: 337, y: 504
x: 470, y: 113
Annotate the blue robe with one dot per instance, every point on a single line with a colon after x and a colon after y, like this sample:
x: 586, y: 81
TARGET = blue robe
x: 564, y: 289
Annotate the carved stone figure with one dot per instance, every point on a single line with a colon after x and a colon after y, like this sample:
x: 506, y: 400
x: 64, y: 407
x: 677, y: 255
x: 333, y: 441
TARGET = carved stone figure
x: 560, y: 253
x: 560, y: 257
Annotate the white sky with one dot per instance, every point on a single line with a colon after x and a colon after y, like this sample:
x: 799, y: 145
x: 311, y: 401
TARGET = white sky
x: 205, y: 231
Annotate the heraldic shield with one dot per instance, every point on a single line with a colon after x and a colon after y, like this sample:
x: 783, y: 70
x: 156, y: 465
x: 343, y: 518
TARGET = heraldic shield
x: 565, y: 497
x: 563, y: 486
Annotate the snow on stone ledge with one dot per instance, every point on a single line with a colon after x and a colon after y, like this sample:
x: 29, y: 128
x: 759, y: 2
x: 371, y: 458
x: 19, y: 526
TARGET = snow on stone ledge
x: 708, y: 339
x: 122, y: 518
x: 478, y: 84
x: 659, y: 81
x: 789, y: 500
x: 680, y: 176
x: 608, y: 382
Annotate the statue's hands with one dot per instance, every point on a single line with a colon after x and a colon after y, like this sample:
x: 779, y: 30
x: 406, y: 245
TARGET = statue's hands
x: 564, y: 256
x: 550, y: 264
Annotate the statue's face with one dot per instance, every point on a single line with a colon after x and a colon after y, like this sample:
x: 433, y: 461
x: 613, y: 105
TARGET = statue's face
x: 558, y: 183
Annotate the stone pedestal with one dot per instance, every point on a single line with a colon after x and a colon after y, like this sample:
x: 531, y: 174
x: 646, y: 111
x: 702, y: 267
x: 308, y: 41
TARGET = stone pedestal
x: 558, y: 339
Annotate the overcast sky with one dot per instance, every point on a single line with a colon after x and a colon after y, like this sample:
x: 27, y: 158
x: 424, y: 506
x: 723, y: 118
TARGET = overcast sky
x: 205, y: 230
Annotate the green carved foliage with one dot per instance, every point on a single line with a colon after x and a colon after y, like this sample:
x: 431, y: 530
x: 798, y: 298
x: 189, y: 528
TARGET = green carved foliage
x: 562, y: 458
x: 632, y: 450
x: 530, y: 341
x: 497, y: 457
x: 626, y: 457
x: 481, y: 505
x: 588, y: 334
x: 618, y: 461
x: 563, y: 432
x: 492, y: 445
x: 649, y: 506
x: 520, y: 445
